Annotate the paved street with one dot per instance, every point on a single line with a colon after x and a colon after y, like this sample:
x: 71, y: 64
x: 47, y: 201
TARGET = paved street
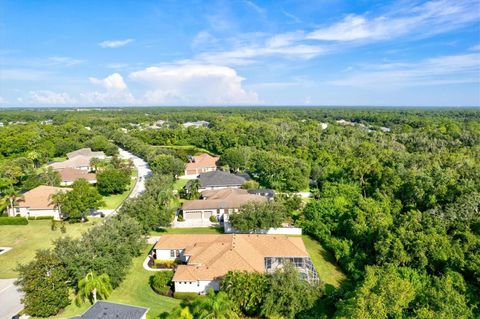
x: 142, y: 169
x: 9, y: 299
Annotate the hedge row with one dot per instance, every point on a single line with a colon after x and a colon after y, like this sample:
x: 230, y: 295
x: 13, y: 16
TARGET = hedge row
x: 40, y: 217
x: 13, y: 221
x: 189, y: 296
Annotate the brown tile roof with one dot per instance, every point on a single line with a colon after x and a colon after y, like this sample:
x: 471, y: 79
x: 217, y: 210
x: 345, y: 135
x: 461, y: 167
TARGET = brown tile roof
x: 71, y: 174
x: 202, y: 161
x: 222, y: 198
x: 40, y: 197
x: 212, y: 256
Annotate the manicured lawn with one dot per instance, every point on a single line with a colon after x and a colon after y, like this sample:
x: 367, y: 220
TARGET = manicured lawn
x: 26, y: 239
x: 196, y: 230
x: 113, y: 201
x: 134, y: 290
x: 179, y: 183
x: 323, y: 262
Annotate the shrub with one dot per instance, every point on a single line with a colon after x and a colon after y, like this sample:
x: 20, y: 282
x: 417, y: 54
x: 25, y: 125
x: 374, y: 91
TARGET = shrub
x: 188, y: 296
x: 213, y: 219
x: 40, y: 218
x: 160, y: 282
x: 13, y: 221
x: 180, y: 218
x: 169, y: 264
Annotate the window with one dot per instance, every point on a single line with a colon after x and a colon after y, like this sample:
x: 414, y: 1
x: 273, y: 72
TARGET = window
x: 17, y: 209
x: 172, y: 253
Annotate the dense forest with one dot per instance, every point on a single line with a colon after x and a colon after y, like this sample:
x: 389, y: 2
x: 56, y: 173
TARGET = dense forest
x: 395, y: 193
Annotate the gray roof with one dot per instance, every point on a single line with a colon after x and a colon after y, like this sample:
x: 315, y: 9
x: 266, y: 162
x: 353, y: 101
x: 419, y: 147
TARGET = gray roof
x: 111, y: 310
x: 220, y: 178
x: 262, y: 192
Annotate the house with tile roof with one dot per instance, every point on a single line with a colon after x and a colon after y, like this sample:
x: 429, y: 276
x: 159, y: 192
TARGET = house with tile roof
x: 81, y: 162
x: 218, y: 203
x: 69, y: 175
x: 111, y: 310
x: 87, y: 151
x: 220, y: 180
x: 206, y: 258
x: 200, y: 164
x: 38, y: 202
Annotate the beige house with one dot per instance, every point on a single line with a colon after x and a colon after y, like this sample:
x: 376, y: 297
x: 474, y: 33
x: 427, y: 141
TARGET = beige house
x: 200, y: 164
x: 207, y: 258
x: 218, y: 203
x: 87, y: 151
x: 38, y: 202
x: 69, y: 175
x: 80, y: 162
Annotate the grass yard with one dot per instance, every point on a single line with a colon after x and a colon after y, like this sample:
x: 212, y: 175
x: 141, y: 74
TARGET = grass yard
x: 179, y: 183
x: 323, y: 262
x: 26, y: 239
x: 196, y: 230
x: 192, y: 148
x: 134, y: 290
x: 113, y: 201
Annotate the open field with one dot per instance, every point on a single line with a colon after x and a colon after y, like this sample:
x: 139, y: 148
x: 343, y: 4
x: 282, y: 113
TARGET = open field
x: 323, y: 261
x: 134, y: 290
x: 26, y: 239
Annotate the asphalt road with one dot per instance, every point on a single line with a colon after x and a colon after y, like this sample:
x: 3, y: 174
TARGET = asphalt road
x: 10, y: 297
x: 143, y: 171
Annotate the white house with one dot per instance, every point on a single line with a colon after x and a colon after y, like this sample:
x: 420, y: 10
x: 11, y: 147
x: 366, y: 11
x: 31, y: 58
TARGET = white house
x: 38, y: 202
x: 206, y: 258
x: 218, y: 203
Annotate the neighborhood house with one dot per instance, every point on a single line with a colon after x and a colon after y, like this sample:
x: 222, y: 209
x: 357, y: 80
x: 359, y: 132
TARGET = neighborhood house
x: 205, y: 259
x: 37, y: 202
x: 200, y: 164
x: 218, y: 203
x: 69, y: 175
x: 79, y: 159
x: 220, y: 180
x: 110, y: 310
x: 86, y: 152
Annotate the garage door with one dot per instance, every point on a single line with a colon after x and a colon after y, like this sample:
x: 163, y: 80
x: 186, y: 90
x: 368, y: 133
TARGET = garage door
x: 193, y: 215
x: 207, y: 214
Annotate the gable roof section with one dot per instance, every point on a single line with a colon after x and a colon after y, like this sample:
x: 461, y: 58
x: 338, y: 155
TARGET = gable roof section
x: 40, y: 197
x: 87, y: 151
x: 110, y: 310
x: 71, y: 174
x: 202, y: 161
x: 212, y: 256
x: 222, y: 198
x: 74, y: 162
x: 220, y: 179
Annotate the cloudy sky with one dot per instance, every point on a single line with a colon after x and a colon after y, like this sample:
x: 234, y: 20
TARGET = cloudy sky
x: 240, y: 52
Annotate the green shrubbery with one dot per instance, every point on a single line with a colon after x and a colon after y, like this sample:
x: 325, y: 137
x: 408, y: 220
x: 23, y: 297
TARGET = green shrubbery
x: 13, y: 221
x: 186, y: 295
x: 170, y: 264
x: 40, y: 217
x: 161, y: 281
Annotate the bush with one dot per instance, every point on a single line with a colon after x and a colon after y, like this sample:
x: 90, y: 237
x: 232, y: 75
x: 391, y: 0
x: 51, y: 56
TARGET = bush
x: 213, y: 219
x: 13, y: 221
x: 161, y: 281
x: 40, y: 217
x: 169, y: 264
x: 188, y: 296
x: 180, y: 218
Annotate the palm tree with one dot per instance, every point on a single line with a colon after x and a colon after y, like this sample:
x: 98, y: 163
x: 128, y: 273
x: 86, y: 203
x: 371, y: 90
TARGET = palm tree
x: 214, y: 306
x: 57, y: 200
x: 92, y: 286
x: 12, y: 196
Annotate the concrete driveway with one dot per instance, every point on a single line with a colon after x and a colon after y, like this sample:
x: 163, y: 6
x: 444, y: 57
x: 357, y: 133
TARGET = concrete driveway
x: 9, y: 299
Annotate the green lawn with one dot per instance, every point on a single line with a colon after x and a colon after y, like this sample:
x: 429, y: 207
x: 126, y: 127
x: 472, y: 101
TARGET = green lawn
x: 26, y: 239
x: 196, y: 230
x: 113, y: 201
x: 179, y: 183
x: 192, y: 148
x: 134, y: 290
x: 323, y: 262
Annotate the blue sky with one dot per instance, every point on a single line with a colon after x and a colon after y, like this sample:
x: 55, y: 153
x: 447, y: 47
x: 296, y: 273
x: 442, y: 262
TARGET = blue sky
x: 240, y: 52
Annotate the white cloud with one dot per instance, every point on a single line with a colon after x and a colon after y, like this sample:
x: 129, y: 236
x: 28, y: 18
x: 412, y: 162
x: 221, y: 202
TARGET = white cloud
x: 112, y: 44
x: 63, y: 61
x: 116, y: 91
x: 254, y: 6
x: 419, y: 20
x: 451, y: 69
x: 47, y: 97
x: 193, y: 84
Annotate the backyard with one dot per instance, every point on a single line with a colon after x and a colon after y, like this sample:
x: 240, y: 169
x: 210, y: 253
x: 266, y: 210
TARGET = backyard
x: 26, y: 239
x: 113, y: 201
x: 134, y: 290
